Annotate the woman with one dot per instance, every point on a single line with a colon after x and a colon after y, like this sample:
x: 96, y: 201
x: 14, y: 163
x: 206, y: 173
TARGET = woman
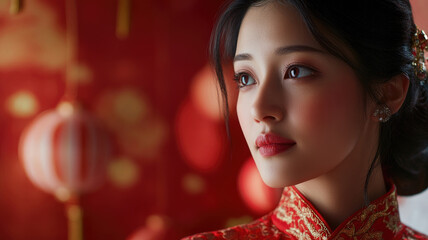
x: 333, y: 106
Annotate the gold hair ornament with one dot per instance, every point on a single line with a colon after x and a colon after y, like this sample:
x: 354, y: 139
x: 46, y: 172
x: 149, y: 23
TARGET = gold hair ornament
x: 419, y: 46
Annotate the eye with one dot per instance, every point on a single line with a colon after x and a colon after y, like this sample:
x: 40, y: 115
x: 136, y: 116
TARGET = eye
x: 298, y: 72
x: 244, y: 79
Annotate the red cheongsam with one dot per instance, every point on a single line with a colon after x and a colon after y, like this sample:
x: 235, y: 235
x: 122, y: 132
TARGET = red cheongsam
x: 296, y: 218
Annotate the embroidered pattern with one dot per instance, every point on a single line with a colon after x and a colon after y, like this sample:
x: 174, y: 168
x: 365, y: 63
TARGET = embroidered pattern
x: 295, y: 218
x: 361, y: 224
x: 301, y: 221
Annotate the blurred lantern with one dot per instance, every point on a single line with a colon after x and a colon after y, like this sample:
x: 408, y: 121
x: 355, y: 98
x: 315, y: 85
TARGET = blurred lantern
x: 64, y: 152
x: 256, y: 194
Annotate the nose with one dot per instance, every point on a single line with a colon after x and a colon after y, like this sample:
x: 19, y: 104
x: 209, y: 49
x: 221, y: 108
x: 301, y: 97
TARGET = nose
x: 268, y: 104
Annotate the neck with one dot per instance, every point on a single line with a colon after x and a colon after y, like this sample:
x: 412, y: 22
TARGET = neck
x: 339, y: 193
x: 337, y: 199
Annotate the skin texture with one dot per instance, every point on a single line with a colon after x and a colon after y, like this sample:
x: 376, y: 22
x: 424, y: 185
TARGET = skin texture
x: 321, y: 108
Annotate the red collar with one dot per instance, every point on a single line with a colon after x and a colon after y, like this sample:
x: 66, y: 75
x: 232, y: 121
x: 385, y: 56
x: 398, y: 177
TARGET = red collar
x: 296, y: 216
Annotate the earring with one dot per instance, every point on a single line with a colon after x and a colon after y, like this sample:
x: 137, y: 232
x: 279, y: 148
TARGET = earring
x: 383, y: 113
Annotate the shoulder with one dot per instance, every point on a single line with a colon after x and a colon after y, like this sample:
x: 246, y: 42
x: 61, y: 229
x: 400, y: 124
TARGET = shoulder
x: 408, y: 233
x: 262, y: 228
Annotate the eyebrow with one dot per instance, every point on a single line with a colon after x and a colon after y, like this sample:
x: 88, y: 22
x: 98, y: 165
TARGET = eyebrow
x: 280, y: 51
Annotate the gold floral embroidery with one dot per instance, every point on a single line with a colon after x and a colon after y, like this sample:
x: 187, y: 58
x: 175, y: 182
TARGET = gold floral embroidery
x: 393, y: 223
x: 282, y: 215
x: 295, y: 218
x: 303, y: 222
x: 361, y: 225
x: 408, y: 234
x: 308, y: 225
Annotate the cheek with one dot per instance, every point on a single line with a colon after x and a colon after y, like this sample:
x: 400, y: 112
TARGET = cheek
x: 334, y: 105
x: 243, y: 113
x: 332, y: 112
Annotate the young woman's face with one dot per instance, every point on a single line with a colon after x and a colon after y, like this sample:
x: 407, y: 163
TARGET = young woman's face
x: 301, y: 109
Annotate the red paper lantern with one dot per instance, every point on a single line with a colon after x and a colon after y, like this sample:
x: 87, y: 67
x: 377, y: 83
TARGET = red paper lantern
x: 65, y: 150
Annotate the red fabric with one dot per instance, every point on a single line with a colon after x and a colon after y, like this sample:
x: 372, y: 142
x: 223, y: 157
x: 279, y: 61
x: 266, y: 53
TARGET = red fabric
x: 296, y: 218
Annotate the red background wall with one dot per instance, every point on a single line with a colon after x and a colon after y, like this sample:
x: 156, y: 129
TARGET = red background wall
x: 171, y: 167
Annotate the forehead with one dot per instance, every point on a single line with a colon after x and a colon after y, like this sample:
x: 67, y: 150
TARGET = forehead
x: 273, y: 25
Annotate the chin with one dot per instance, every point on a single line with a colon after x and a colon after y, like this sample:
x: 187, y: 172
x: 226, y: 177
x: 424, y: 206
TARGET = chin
x: 275, y: 181
x: 280, y: 176
x: 275, y: 173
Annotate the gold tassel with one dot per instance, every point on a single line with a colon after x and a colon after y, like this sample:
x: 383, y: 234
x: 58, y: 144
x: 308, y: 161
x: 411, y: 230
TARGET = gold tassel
x: 15, y: 6
x: 75, y: 224
x: 123, y: 18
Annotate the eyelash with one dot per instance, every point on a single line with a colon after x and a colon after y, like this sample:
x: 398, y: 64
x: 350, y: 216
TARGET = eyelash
x: 293, y: 65
x: 238, y: 75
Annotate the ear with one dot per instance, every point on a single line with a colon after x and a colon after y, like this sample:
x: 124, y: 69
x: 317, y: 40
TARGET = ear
x: 394, y: 92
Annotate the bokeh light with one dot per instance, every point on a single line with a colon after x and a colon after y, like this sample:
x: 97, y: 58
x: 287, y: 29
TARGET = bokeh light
x: 80, y: 74
x: 238, y: 221
x: 122, y: 107
x: 129, y: 106
x: 128, y: 114
x: 123, y: 172
x: 206, y: 94
x: 144, y: 140
x: 34, y: 37
x: 156, y: 222
x: 22, y: 104
x: 199, y: 138
x: 155, y: 229
x: 255, y: 193
x: 193, y: 183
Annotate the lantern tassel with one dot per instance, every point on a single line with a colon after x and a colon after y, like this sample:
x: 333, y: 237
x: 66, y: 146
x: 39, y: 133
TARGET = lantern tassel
x: 15, y: 6
x: 75, y: 223
x: 71, y: 50
x: 123, y: 19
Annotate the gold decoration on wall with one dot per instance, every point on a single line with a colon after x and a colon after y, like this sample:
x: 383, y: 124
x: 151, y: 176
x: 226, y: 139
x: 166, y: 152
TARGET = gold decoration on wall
x: 123, y: 18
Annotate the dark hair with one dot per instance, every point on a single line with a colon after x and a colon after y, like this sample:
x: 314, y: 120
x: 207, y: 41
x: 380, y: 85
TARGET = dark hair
x: 379, y: 34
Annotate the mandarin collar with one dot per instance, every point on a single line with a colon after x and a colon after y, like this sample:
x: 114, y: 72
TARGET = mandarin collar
x: 297, y: 217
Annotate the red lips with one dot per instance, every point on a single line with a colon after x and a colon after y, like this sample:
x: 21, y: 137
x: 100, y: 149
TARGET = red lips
x: 270, y: 144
